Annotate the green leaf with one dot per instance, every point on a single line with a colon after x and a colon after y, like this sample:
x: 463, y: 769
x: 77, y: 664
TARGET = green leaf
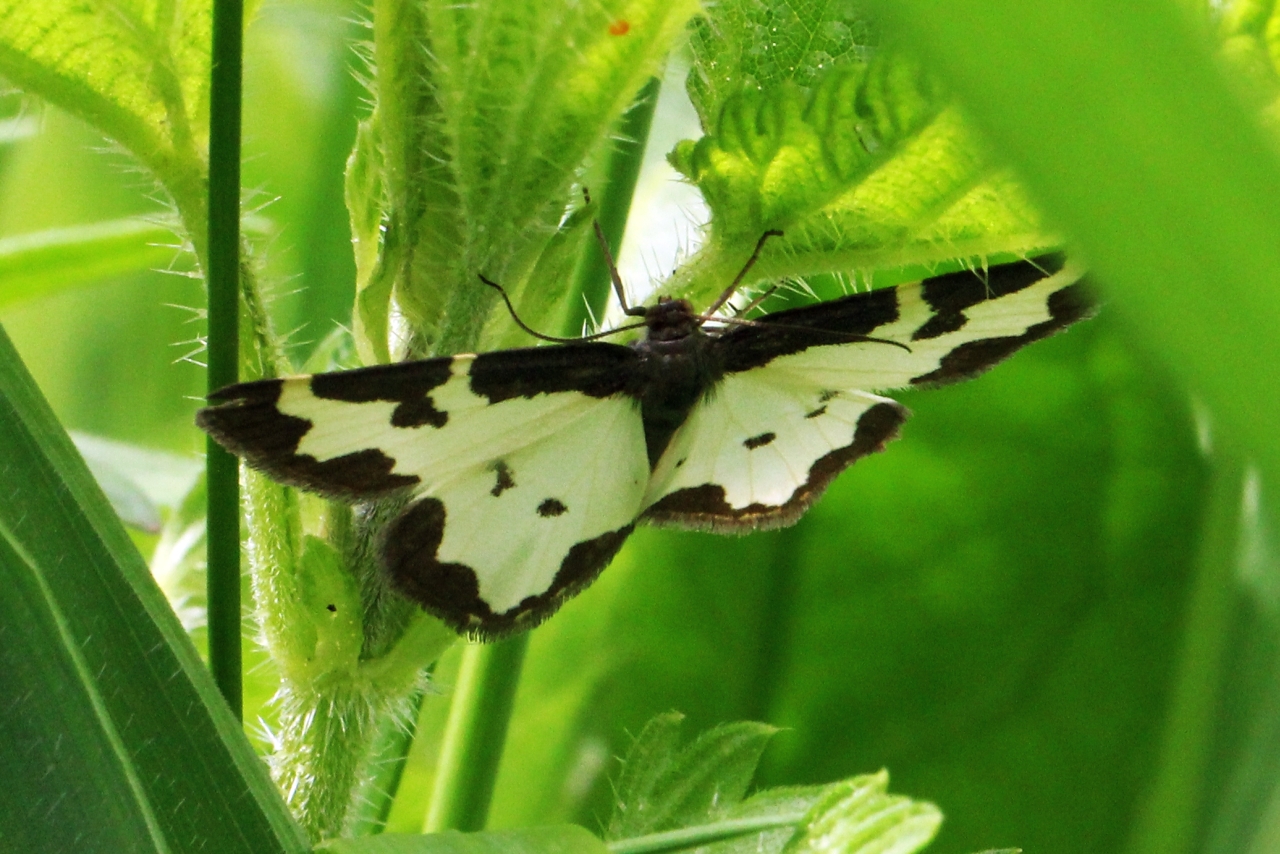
x: 556, y: 839
x: 138, y: 481
x: 740, y: 46
x: 138, y: 72
x: 47, y: 262
x: 365, y: 194
x: 485, y: 113
x: 663, y: 786
x: 648, y: 762
x: 119, y: 738
x: 537, y: 304
x: 855, y: 153
x: 858, y: 817
x: 655, y: 812
x: 134, y: 507
x: 775, y: 155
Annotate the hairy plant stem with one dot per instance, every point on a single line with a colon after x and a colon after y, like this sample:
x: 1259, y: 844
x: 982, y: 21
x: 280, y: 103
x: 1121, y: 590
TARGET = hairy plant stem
x: 329, y: 730
x: 384, y: 767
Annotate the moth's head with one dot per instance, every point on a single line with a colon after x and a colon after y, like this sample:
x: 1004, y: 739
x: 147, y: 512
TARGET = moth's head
x: 670, y: 319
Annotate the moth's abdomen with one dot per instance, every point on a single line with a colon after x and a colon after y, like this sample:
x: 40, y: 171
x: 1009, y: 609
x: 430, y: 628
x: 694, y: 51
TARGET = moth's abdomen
x: 674, y: 376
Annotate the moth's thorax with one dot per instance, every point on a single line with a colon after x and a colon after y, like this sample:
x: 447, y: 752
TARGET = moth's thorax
x: 678, y: 366
x: 670, y: 320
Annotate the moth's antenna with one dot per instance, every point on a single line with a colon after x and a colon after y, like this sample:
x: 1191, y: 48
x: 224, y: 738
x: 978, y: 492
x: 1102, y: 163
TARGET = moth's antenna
x: 751, y: 262
x: 756, y: 302
x: 613, y: 268
x: 552, y: 338
x: 849, y: 337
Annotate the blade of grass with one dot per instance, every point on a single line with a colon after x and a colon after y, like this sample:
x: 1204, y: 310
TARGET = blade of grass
x: 224, y: 346
x: 114, y: 736
x: 475, y: 734
x: 45, y: 262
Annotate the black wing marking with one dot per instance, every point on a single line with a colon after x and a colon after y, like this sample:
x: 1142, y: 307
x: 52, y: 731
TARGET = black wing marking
x: 250, y: 420
x: 953, y: 326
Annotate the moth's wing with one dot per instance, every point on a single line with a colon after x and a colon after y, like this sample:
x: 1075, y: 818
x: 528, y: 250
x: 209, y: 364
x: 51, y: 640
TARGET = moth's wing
x: 762, y: 449
x: 795, y: 407
x: 943, y: 329
x: 524, y: 469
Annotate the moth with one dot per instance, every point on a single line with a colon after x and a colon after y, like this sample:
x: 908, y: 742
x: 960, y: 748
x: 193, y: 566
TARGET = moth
x: 525, y: 470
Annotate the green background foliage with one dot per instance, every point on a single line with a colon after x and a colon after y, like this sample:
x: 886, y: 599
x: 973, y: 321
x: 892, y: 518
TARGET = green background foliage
x: 1046, y: 609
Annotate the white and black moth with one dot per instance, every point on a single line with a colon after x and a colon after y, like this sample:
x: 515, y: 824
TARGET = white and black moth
x: 525, y: 470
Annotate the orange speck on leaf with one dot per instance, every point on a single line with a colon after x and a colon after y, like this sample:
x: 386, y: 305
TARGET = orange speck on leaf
x: 619, y: 28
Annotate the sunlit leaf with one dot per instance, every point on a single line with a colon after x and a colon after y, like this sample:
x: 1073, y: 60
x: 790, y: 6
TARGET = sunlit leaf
x: 664, y: 785
x: 852, y: 150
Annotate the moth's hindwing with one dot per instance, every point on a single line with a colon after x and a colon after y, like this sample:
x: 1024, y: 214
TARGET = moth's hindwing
x: 763, y: 449
x: 497, y: 541
x: 522, y: 483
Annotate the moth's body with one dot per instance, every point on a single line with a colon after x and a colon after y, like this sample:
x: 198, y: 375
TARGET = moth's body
x: 527, y: 469
x: 675, y: 369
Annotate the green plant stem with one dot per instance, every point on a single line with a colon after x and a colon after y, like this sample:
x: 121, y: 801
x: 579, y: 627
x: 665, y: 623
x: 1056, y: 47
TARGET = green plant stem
x: 590, y: 291
x: 702, y: 834
x: 223, y: 575
x: 475, y: 734
x: 1168, y: 819
x: 384, y: 768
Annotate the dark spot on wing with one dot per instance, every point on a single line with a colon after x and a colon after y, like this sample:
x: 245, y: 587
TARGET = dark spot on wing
x: 828, y: 395
x: 333, y: 609
x: 358, y: 475
x: 451, y: 591
x: 815, y: 413
x: 949, y: 295
x: 408, y: 383
x: 704, y: 507
x: 1066, y: 306
x: 247, y: 422
x: 416, y: 413
x: 759, y: 441
x: 940, y: 324
x: 594, y: 369
x: 505, y: 480
x: 682, y: 462
x: 551, y: 507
